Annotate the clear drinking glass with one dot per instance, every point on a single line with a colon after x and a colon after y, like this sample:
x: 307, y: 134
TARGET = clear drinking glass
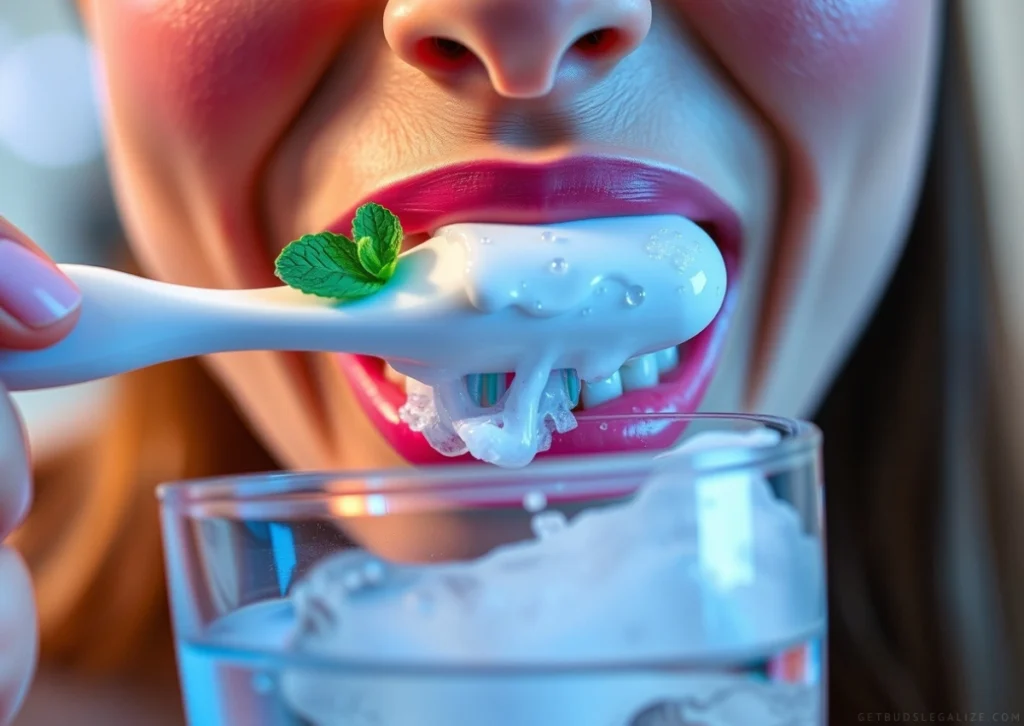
x: 678, y: 584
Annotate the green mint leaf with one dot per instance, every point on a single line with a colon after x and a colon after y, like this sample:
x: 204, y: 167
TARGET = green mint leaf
x: 346, y: 252
x: 369, y: 258
x: 350, y: 288
x: 388, y: 270
x: 326, y: 265
x: 386, y: 234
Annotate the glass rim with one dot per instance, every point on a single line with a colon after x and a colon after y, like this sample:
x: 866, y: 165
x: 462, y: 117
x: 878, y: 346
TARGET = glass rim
x: 799, y: 438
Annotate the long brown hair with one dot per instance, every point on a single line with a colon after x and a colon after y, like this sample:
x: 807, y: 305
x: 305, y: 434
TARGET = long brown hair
x: 924, y: 566
x: 909, y: 433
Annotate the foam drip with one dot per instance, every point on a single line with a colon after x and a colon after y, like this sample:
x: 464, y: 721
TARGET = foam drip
x: 584, y: 296
x: 509, y: 434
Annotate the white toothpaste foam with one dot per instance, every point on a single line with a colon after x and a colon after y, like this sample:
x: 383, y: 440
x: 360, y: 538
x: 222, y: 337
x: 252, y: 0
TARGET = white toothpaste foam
x: 510, y: 433
x: 587, y: 278
x: 687, y: 570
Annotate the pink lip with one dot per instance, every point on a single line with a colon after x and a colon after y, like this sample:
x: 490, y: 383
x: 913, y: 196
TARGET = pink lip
x: 566, y: 190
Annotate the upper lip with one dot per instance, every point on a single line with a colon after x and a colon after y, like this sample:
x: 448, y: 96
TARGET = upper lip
x: 577, y: 187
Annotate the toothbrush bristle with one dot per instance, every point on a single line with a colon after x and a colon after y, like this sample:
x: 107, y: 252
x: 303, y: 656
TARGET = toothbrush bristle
x: 572, y: 385
x: 487, y: 389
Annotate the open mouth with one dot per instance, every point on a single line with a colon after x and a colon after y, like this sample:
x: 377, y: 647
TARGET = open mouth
x: 669, y: 381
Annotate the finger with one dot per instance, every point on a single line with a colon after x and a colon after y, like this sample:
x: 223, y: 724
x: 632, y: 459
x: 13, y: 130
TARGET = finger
x: 38, y: 303
x: 18, y: 626
x: 15, y: 476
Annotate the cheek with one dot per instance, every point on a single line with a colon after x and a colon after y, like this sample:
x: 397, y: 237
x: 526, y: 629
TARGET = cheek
x: 845, y: 84
x: 824, y: 48
x: 838, y: 79
x: 206, y: 70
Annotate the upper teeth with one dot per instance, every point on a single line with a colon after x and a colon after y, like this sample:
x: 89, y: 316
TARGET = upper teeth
x: 641, y: 372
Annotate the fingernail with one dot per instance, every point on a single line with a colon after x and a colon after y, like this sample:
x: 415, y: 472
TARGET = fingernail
x: 32, y: 290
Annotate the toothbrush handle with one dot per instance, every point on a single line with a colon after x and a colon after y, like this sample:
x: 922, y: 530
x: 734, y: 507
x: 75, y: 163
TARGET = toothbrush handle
x: 126, y: 323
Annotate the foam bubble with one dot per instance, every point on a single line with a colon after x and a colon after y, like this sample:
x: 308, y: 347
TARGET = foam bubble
x: 509, y: 434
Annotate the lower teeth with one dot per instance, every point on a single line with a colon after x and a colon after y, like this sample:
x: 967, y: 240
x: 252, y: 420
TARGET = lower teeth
x: 507, y: 420
x: 667, y: 359
x: 597, y: 392
x: 640, y: 373
x: 488, y: 389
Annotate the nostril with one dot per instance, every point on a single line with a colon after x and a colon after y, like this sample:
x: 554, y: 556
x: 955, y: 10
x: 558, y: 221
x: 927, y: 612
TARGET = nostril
x: 601, y: 42
x: 450, y: 49
x: 443, y: 53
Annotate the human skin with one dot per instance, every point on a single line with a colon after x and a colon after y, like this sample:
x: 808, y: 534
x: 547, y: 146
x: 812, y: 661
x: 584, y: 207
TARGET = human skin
x: 235, y: 127
x: 27, y: 278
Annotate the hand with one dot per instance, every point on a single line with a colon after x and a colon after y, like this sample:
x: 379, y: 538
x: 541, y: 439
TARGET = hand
x: 38, y: 307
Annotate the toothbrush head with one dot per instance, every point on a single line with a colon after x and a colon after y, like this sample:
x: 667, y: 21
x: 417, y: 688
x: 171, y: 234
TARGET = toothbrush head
x: 584, y: 296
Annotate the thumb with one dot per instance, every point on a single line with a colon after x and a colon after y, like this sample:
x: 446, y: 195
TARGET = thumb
x: 38, y: 303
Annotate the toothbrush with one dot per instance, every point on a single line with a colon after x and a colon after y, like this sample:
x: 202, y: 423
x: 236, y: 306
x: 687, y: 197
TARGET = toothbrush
x: 427, y: 322
x: 129, y: 322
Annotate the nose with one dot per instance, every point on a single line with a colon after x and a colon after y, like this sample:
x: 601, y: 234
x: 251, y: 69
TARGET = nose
x: 525, y: 46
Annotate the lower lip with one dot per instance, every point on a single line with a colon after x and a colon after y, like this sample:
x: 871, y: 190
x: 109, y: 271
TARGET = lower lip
x: 680, y: 391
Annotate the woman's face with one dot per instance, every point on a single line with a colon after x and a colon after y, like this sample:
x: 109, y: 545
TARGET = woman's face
x: 235, y: 127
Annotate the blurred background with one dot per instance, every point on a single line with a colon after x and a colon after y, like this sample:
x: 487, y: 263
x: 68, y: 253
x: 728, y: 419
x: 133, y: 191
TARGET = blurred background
x: 54, y: 185
x: 53, y: 182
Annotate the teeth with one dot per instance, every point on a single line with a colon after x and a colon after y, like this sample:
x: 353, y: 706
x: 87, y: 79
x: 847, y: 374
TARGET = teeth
x: 594, y: 394
x: 640, y: 373
x: 390, y: 374
x: 667, y: 359
x: 486, y: 389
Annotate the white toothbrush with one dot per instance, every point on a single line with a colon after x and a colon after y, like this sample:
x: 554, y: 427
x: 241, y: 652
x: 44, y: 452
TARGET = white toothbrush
x: 424, y: 322
x: 129, y: 322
